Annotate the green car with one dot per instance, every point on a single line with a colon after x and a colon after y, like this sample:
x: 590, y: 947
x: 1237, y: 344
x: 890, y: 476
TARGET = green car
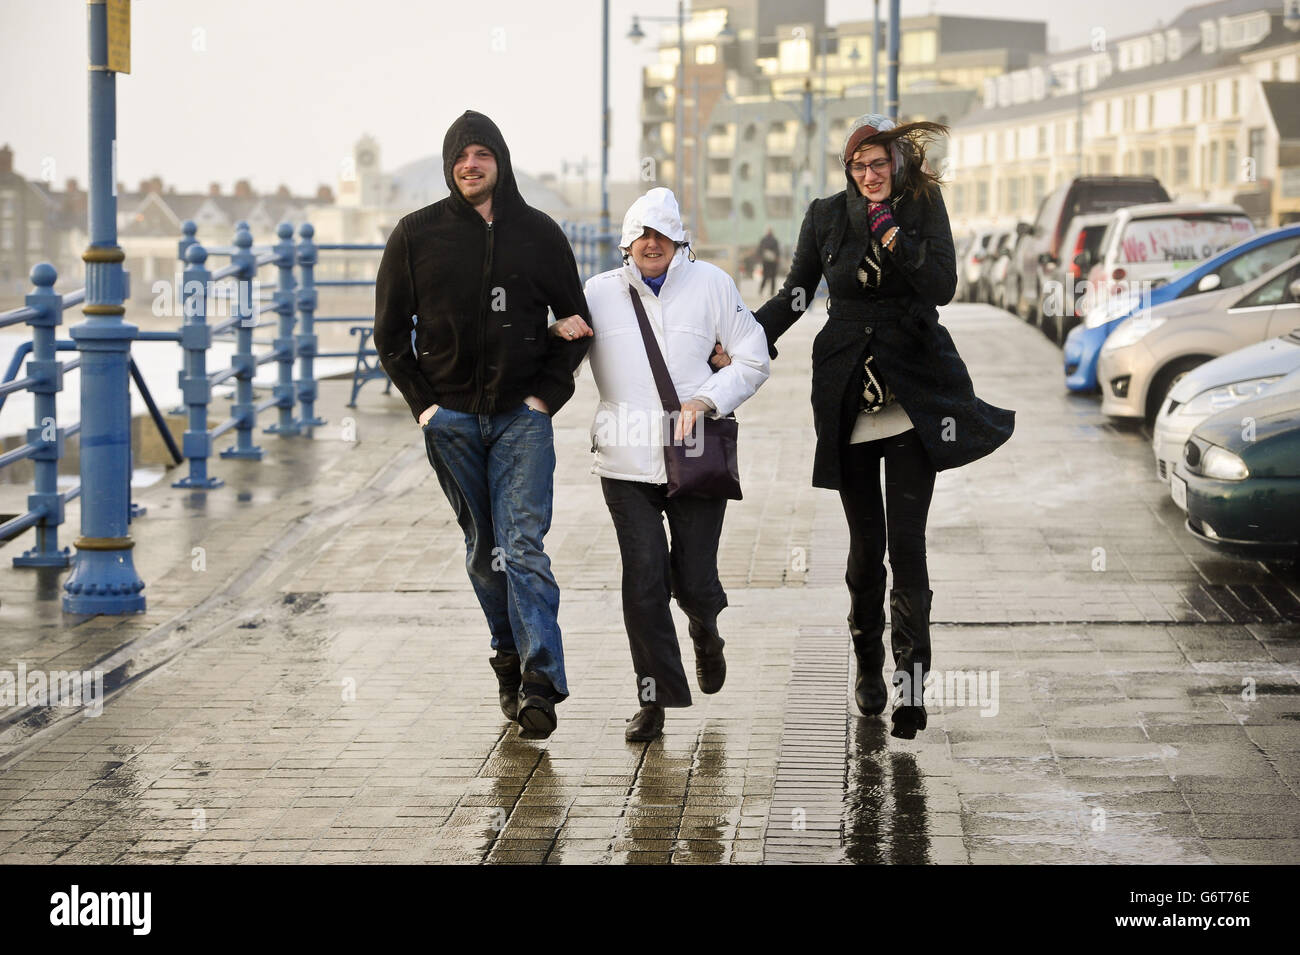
x: 1239, y: 478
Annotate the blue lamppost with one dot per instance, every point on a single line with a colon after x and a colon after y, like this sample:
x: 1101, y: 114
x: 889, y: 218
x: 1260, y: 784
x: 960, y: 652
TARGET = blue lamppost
x: 103, y: 578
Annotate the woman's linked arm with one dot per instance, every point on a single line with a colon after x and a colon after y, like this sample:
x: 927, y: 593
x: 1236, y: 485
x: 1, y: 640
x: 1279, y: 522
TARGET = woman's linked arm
x: 785, y: 307
x: 743, y: 340
x: 928, y: 260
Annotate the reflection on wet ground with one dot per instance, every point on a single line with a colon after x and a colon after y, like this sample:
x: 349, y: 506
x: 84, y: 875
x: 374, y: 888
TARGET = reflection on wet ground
x: 310, y: 682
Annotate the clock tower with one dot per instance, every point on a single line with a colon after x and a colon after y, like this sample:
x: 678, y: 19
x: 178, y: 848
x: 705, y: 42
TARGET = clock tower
x: 361, y: 181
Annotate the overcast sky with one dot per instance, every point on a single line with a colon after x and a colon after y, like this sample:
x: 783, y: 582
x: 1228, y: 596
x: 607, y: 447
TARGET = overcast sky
x: 277, y: 91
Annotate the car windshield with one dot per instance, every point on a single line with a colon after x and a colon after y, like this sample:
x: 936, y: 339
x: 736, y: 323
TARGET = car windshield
x: 1261, y: 259
x: 1181, y: 239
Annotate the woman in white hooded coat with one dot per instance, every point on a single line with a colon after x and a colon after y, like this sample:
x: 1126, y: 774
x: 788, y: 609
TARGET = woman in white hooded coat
x: 692, y: 307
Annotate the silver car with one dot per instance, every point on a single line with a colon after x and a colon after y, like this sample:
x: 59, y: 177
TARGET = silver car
x: 1149, y: 352
x: 1216, y: 386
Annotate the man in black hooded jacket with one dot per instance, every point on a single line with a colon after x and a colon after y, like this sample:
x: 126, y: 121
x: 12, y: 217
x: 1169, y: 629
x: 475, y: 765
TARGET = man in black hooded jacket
x: 476, y: 273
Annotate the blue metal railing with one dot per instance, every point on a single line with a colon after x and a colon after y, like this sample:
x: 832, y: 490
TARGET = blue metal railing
x: 294, y: 303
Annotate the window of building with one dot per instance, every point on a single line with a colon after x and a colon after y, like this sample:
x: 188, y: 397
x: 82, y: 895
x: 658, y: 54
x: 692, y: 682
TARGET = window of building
x: 917, y: 47
x: 7, y: 235
x: 1040, y: 188
x: 795, y: 55
x: 1148, y: 162
x: 1042, y: 140
x: 1236, y: 97
x: 1109, y: 125
x: 959, y: 198
x: 1214, y: 162
x: 1256, y: 145
x: 1105, y: 162
x: 981, y: 198
x: 780, y: 207
x: 747, y: 210
x: 1182, y: 112
x: 706, y: 54
x: 1230, y: 171
x: 1013, y: 194
x: 35, y: 236
x: 1182, y: 165
x: 1211, y: 98
x: 1151, y: 111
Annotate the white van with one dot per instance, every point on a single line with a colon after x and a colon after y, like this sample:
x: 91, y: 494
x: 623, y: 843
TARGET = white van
x: 1144, y: 246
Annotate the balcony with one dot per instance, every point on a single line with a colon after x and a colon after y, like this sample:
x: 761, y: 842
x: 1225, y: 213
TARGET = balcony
x: 780, y: 144
x: 722, y: 144
x: 718, y: 185
x: 779, y: 184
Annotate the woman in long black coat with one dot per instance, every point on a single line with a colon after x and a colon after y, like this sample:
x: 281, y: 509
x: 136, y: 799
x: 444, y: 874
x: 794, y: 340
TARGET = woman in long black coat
x: 887, y: 384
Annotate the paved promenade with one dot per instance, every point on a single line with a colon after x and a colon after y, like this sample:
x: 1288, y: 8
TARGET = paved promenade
x: 310, y: 681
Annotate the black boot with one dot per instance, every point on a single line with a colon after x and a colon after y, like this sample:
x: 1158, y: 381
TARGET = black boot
x: 710, y: 664
x: 647, y: 724
x: 867, y: 628
x: 909, y: 632
x: 536, y: 707
x: 506, y: 666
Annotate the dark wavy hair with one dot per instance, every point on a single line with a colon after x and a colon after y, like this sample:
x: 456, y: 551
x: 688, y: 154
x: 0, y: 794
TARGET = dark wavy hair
x: 912, y: 140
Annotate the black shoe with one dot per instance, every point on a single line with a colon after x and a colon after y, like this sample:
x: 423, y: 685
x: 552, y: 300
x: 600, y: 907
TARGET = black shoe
x: 648, y: 724
x: 506, y: 666
x: 906, y: 721
x: 536, y: 711
x: 710, y: 664
x: 909, y: 625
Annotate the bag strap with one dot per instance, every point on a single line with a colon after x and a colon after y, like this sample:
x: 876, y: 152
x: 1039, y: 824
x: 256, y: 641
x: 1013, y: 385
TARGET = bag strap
x: 663, y: 381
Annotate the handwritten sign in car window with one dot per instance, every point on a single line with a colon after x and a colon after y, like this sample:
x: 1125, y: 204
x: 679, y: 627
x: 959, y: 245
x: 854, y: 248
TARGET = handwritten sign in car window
x: 1181, y: 239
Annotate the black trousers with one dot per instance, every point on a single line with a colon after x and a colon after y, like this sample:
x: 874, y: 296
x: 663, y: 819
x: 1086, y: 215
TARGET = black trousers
x: 768, y: 277
x: 898, y: 520
x: 654, y: 571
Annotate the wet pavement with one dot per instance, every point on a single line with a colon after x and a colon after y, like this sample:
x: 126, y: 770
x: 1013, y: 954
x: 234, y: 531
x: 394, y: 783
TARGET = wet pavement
x: 310, y: 681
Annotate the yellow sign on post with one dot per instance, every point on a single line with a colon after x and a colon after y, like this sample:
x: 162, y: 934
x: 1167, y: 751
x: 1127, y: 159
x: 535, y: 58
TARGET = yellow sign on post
x: 119, y: 35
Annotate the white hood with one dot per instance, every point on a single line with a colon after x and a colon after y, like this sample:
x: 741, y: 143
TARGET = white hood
x: 657, y: 210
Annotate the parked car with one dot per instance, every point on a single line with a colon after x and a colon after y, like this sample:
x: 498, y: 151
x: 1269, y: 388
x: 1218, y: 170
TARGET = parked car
x: 1217, y: 386
x: 1239, y: 477
x: 1152, y: 349
x: 999, y: 254
x: 1144, y: 246
x: 1002, y: 295
x: 972, y: 262
x: 1061, y: 312
x: 961, y: 245
x: 1039, y: 260
x: 1246, y: 261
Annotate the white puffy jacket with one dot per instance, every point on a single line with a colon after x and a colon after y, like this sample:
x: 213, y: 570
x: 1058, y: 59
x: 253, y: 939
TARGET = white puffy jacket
x: 697, y: 306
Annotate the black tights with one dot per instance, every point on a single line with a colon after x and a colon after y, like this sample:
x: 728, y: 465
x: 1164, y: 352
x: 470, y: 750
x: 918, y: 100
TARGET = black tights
x: 900, y: 519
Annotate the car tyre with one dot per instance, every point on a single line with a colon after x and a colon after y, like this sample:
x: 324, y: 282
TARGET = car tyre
x: 1165, y: 380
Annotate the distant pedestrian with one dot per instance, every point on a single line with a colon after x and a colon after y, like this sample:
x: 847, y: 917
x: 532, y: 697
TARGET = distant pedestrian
x: 769, y: 256
x: 887, y: 384
x: 477, y: 271
x: 692, y: 309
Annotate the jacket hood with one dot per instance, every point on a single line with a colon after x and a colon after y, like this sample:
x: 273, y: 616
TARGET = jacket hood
x: 471, y: 127
x: 657, y: 210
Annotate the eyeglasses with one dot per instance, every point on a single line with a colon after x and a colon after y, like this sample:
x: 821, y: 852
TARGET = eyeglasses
x: 878, y: 166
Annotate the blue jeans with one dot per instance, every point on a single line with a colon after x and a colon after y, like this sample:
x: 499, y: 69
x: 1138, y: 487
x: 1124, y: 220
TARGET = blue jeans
x: 498, y: 473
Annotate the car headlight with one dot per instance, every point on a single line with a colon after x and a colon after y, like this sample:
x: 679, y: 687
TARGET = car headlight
x: 1223, y: 465
x: 1132, y: 330
x: 1218, y: 399
x: 1111, y: 308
